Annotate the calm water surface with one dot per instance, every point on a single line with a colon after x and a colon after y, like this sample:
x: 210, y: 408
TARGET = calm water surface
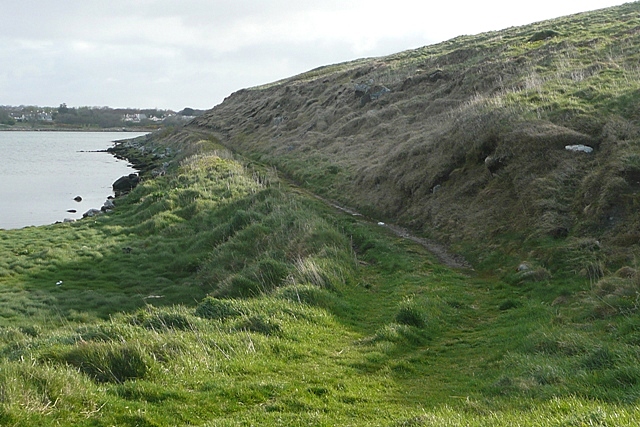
x: 42, y: 172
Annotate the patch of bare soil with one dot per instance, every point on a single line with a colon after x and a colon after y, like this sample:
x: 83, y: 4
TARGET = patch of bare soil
x: 438, y: 250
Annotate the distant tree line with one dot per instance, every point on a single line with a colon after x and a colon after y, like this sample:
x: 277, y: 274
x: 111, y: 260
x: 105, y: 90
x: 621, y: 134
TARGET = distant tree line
x: 96, y: 117
x: 6, y: 119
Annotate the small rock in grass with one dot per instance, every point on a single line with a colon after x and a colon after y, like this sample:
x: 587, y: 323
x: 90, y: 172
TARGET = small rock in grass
x: 579, y: 148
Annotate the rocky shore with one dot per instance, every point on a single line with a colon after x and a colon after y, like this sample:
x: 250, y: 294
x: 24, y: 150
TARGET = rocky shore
x: 143, y: 155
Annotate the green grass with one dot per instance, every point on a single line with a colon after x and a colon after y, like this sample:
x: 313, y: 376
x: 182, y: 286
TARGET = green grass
x: 210, y: 297
x: 217, y: 295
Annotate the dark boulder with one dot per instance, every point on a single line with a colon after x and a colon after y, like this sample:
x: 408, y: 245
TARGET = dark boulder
x: 108, y: 206
x: 495, y: 163
x: 126, y: 183
x: 91, y: 213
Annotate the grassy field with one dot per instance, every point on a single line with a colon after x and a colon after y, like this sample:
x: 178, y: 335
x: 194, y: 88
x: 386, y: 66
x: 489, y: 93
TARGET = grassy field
x: 217, y: 295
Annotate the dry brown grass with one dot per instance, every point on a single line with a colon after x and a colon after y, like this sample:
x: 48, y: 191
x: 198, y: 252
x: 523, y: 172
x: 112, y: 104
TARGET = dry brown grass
x: 468, y: 142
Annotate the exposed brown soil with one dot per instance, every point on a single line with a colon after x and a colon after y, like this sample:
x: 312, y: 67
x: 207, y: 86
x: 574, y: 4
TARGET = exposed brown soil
x: 438, y: 250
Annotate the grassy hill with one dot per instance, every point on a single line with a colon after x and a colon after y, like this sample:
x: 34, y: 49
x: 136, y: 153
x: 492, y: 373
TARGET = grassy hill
x: 465, y: 140
x: 222, y: 291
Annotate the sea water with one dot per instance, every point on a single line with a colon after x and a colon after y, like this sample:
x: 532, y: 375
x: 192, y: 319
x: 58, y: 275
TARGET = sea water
x: 42, y: 172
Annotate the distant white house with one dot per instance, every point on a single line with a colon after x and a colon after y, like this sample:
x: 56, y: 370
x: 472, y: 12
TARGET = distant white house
x: 41, y: 116
x: 134, y: 118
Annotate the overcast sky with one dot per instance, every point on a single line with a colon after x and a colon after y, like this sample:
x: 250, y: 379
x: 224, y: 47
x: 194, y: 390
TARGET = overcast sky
x: 171, y: 54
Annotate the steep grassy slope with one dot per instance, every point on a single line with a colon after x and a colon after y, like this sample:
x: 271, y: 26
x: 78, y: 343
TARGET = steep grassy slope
x: 465, y: 140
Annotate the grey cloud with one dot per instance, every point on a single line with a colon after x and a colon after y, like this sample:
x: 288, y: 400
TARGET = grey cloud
x: 169, y: 53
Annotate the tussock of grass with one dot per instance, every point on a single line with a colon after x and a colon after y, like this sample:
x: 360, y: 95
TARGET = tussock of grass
x: 312, y: 295
x: 105, y: 362
x: 216, y: 309
x: 411, y: 314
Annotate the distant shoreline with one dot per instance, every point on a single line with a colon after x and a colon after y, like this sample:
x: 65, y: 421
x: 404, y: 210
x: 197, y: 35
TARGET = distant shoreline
x: 140, y: 129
